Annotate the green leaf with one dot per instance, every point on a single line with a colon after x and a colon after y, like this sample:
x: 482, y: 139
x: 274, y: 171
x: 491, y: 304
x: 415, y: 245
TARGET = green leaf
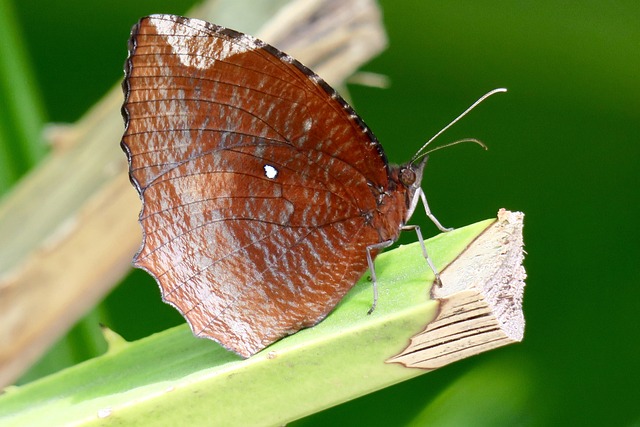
x: 171, y: 378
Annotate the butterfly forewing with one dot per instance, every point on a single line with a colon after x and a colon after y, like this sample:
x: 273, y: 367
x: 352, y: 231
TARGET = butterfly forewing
x: 256, y: 181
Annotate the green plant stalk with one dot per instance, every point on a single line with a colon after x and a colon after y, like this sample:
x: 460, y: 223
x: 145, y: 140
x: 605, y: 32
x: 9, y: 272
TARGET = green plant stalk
x: 171, y: 377
x: 22, y: 113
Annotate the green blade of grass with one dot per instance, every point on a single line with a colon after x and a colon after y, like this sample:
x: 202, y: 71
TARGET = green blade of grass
x: 171, y: 377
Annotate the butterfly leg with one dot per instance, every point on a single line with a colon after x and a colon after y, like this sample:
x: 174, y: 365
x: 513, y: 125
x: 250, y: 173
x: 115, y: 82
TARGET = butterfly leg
x: 438, y: 282
x: 430, y: 215
x: 375, y: 247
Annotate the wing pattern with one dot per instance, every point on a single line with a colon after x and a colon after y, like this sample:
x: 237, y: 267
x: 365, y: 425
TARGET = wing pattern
x: 256, y: 180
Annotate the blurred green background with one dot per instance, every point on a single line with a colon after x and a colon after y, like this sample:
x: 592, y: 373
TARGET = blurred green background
x: 563, y: 148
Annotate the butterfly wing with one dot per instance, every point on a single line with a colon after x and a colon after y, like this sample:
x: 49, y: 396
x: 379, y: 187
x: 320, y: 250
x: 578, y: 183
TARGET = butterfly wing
x: 256, y: 180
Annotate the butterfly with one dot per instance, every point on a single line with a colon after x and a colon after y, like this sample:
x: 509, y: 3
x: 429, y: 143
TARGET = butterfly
x: 265, y: 196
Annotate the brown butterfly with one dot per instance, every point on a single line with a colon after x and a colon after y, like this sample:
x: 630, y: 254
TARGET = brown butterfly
x: 265, y: 196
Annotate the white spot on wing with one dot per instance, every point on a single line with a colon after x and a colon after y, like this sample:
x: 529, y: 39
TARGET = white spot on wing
x: 270, y: 172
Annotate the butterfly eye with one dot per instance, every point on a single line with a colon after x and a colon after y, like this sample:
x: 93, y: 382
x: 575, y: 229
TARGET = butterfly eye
x: 407, y: 176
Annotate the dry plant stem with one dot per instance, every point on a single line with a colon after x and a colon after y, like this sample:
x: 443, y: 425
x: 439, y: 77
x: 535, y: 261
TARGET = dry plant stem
x: 69, y: 229
x: 480, y: 300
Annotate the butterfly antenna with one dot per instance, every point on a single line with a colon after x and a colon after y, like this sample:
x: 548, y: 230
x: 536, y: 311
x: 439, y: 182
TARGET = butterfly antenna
x: 420, y: 152
x: 440, y: 147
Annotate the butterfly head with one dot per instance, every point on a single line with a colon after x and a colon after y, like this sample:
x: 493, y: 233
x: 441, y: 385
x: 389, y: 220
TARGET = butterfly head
x: 410, y: 175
